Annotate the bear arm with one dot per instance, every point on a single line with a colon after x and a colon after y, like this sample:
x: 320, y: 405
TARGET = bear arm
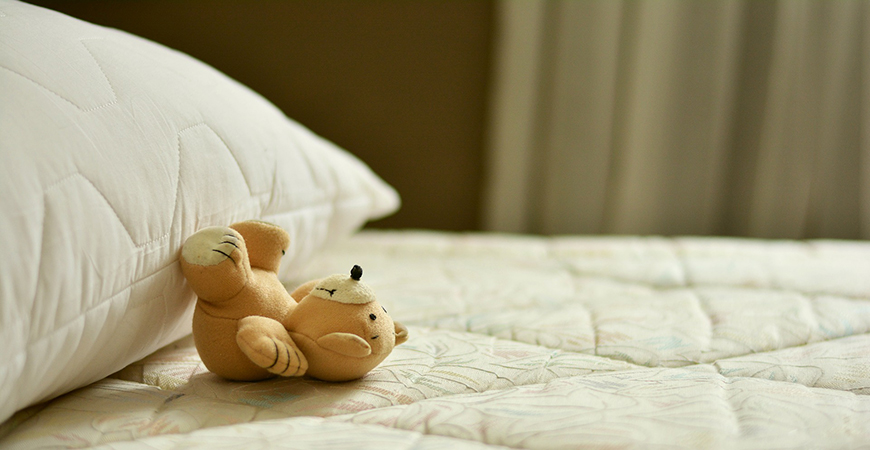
x: 346, y: 344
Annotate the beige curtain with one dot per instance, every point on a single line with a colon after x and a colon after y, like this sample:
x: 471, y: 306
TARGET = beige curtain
x: 681, y: 117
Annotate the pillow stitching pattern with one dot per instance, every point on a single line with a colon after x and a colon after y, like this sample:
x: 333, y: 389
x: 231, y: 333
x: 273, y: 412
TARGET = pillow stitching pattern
x: 57, y: 183
x: 76, y: 174
x: 89, y: 310
x: 175, y: 196
x: 46, y: 190
x: 102, y: 72
x: 233, y: 154
x: 91, y: 109
x: 177, y: 184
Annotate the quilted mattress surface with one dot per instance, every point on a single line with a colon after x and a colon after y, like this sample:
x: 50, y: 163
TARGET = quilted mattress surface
x: 543, y: 343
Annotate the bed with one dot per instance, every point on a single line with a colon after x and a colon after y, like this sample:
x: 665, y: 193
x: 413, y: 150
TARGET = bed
x: 119, y: 149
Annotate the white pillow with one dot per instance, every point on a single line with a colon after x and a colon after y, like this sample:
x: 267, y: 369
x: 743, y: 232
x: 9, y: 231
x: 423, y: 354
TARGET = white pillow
x: 113, y: 150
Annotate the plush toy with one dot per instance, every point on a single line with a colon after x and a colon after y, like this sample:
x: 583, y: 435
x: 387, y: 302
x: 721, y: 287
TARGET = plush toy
x: 246, y: 326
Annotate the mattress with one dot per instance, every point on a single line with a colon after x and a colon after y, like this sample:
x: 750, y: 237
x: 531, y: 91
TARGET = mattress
x: 534, y: 342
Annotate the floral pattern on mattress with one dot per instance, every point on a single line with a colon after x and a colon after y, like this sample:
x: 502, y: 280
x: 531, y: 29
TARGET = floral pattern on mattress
x: 527, y: 342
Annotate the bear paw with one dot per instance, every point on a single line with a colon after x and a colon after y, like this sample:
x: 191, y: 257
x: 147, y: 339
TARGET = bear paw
x: 267, y: 344
x: 212, y: 246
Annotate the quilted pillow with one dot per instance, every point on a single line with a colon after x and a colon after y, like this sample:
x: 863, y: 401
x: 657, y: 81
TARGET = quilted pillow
x: 114, y: 150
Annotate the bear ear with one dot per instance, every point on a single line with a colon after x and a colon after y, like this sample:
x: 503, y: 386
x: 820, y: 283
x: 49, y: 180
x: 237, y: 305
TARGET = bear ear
x: 299, y: 293
x: 401, y: 333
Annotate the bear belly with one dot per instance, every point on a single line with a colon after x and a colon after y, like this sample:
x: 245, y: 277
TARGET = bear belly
x: 220, y: 353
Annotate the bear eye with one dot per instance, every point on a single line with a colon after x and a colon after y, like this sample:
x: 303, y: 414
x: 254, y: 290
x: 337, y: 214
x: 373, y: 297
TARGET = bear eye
x: 372, y: 316
x: 283, y: 252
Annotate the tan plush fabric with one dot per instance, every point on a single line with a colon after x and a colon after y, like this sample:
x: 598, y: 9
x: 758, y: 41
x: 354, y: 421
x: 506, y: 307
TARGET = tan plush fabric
x: 347, y: 340
x: 243, y: 312
x: 234, y: 281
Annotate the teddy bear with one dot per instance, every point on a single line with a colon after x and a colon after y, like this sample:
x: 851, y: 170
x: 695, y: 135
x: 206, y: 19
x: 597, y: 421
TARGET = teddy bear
x: 247, y: 327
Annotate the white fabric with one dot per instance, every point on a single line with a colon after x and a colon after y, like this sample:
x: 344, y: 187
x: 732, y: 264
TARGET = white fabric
x: 536, y: 343
x: 114, y: 150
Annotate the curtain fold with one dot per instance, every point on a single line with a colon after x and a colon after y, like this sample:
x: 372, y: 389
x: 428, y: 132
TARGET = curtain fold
x: 680, y: 117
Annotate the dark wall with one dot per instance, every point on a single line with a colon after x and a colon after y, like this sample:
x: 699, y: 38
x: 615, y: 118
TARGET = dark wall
x: 402, y: 85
